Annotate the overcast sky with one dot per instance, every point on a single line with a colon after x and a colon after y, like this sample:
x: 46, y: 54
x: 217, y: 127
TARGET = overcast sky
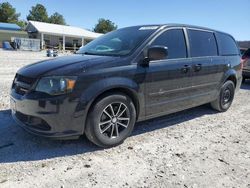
x: 231, y: 16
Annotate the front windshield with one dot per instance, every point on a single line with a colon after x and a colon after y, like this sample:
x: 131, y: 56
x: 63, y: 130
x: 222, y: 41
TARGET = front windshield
x: 118, y: 43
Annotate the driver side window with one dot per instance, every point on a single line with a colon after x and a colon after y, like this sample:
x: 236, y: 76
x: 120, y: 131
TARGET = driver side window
x: 175, y: 41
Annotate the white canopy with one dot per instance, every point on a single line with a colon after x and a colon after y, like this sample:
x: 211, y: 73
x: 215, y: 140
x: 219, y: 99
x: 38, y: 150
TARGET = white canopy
x: 55, y: 29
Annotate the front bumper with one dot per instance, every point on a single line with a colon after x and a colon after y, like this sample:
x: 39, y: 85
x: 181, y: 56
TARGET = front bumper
x: 48, y: 116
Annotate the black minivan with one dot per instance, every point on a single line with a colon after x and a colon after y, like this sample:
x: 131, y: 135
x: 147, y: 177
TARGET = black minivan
x: 128, y: 75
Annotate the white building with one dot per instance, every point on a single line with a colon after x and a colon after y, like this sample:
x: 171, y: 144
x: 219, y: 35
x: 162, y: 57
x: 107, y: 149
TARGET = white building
x: 59, y: 36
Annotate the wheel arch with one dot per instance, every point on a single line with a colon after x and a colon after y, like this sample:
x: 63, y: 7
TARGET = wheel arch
x: 231, y: 75
x: 123, y: 90
x: 108, y: 86
x: 233, y: 79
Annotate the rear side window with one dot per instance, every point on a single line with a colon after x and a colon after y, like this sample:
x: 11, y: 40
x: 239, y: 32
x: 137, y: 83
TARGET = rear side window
x: 175, y: 41
x: 202, y: 43
x: 227, y: 45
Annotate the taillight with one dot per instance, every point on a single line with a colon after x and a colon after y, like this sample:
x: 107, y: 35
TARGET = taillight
x: 241, y: 64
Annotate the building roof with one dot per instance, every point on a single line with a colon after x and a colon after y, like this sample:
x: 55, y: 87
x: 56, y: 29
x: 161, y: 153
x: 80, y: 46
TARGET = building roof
x: 9, y: 26
x: 55, y: 29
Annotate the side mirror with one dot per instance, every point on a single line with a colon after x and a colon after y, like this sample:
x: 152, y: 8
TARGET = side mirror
x: 157, y: 53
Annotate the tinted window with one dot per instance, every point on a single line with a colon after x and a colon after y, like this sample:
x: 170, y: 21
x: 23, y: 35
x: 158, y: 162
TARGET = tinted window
x: 175, y: 41
x: 202, y: 43
x: 227, y: 45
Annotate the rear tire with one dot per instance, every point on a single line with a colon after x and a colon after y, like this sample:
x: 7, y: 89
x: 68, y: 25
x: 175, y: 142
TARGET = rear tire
x: 111, y: 120
x: 225, y: 98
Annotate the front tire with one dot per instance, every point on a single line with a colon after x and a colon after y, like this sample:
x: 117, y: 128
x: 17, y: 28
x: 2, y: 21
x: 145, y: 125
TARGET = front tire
x: 111, y: 120
x: 225, y: 98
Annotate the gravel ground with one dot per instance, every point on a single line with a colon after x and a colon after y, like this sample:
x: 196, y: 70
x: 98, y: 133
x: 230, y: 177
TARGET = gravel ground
x: 193, y: 148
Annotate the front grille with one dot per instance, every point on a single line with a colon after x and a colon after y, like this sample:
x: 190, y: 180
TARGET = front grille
x: 23, y: 84
x: 33, y: 122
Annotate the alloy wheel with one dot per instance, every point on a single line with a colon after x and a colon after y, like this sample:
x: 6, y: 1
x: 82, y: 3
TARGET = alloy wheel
x: 114, y: 120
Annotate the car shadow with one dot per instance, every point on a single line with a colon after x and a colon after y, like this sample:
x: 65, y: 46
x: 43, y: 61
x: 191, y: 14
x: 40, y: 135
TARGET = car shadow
x: 18, y: 145
x: 245, y: 85
x: 172, y: 119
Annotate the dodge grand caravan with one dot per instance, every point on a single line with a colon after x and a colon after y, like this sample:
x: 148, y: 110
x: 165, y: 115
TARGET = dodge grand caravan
x: 128, y: 75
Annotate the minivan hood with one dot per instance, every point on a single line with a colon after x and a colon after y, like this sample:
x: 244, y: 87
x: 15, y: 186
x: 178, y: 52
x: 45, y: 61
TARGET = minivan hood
x: 76, y: 62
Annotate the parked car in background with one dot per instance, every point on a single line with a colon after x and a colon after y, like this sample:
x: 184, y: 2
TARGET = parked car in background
x: 242, y: 51
x: 128, y: 75
x: 245, y: 59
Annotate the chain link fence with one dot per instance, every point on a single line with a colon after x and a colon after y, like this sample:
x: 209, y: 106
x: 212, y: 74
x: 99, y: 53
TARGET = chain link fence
x: 26, y: 44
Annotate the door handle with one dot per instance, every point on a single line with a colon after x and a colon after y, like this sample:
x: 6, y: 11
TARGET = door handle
x: 197, y: 67
x: 185, y: 69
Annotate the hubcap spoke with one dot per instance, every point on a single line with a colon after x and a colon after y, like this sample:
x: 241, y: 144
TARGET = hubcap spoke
x: 122, y: 111
x: 118, y: 109
x: 112, y: 131
x: 122, y: 119
x: 122, y: 124
x: 117, y: 131
x: 106, y: 128
x: 112, y: 110
x: 107, y: 114
x: 105, y: 122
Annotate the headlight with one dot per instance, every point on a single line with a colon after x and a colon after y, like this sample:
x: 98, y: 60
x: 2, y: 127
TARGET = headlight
x: 56, y: 85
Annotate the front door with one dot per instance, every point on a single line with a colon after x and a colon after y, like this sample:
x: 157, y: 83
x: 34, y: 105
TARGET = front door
x: 169, y: 81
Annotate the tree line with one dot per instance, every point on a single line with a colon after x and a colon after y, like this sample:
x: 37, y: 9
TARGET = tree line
x: 244, y: 44
x: 39, y: 13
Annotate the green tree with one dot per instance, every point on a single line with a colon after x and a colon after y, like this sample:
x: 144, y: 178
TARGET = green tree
x: 57, y: 18
x: 104, y: 26
x: 38, y: 13
x: 8, y: 13
x: 22, y: 23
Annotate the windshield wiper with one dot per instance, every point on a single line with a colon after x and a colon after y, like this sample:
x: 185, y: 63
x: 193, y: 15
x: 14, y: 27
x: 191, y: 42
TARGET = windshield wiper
x: 86, y: 53
x: 98, y: 54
